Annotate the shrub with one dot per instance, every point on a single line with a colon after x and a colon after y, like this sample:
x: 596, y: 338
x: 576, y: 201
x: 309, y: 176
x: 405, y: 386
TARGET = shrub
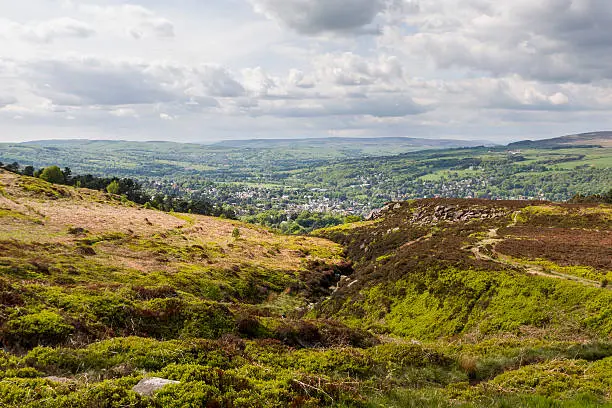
x: 42, y: 328
x: 53, y: 174
x: 113, y: 187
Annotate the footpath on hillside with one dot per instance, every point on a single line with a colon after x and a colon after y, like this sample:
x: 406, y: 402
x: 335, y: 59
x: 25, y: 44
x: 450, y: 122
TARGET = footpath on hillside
x: 485, y: 250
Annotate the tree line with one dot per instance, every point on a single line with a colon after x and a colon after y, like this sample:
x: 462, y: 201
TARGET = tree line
x: 127, y: 188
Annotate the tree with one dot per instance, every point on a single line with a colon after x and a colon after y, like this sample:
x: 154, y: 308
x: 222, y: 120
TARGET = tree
x: 113, y: 187
x: 52, y: 174
x: 67, y: 173
x: 28, y: 171
x: 13, y: 167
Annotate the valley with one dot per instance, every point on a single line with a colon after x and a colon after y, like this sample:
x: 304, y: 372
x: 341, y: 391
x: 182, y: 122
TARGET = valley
x: 342, y: 177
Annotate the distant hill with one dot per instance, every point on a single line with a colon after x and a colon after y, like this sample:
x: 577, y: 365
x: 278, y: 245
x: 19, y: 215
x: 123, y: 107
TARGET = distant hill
x: 594, y: 139
x: 374, y: 145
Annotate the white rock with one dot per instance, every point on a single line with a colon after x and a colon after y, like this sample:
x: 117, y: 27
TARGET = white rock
x: 148, y: 386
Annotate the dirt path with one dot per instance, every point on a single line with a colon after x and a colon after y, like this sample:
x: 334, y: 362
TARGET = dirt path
x: 485, y: 250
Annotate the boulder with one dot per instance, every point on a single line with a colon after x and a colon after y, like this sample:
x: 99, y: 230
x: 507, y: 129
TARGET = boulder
x: 147, y: 386
x: 374, y: 215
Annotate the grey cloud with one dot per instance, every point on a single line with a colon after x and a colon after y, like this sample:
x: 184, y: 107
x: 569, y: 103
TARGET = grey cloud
x: 380, y: 106
x: 162, y: 27
x: 215, y: 81
x: 6, y: 100
x: 547, y: 40
x: 318, y: 16
x: 93, y: 81
x: 97, y: 82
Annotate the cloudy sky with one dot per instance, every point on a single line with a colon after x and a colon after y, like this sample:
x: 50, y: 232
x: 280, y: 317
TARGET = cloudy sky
x: 204, y: 70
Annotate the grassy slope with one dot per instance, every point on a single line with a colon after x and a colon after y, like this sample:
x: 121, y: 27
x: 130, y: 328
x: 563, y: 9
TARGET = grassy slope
x: 507, y: 270
x: 102, y: 292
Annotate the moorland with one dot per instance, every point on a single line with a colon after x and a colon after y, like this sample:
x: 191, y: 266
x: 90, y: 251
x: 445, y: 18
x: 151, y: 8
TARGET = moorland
x: 439, y: 302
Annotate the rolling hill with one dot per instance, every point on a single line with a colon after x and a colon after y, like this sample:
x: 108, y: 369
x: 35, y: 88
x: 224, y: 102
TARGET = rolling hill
x: 593, y: 139
x: 352, y: 146
x: 435, y: 302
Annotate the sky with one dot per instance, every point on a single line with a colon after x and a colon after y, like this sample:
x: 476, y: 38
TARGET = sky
x: 208, y: 70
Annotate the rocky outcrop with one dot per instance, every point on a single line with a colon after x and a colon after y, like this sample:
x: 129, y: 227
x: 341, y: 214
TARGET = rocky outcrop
x: 432, y: 214
x: 148, y: 386
x: 455, y: 214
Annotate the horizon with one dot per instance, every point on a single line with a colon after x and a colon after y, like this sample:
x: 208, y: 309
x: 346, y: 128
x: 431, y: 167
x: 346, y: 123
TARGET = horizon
x: 249, y: 69
x: 212, y: 142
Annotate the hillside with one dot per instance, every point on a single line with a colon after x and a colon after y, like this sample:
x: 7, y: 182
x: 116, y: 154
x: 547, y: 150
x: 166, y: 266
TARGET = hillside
x: 433, y: 303
x: 477, y: 267
x: 594, y: 139
x: 352, y: 146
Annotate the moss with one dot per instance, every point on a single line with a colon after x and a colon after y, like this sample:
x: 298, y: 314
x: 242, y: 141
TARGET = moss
x: 453, y: 301
x: 42, y: 188
x: 559, y: 379
x: 4, y: 213
x: 383, y: 258
x: 44, y: 327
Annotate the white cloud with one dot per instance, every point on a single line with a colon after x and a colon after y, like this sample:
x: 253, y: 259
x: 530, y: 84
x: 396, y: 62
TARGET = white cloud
x: 349, y: 69
x: 46, y: 31
x: 124, y: 113
x: 165, y: 116
x: 135, y: 20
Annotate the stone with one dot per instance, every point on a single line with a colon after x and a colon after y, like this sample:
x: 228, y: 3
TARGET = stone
x: 55, y: 379
x: 147, y: 386
x: 374, y: 215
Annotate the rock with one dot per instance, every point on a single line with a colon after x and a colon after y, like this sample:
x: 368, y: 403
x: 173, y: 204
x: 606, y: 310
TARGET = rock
x: 147, y: 386
x: 374, y: 215
x: 397, y: 206
x: 55, y: 379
